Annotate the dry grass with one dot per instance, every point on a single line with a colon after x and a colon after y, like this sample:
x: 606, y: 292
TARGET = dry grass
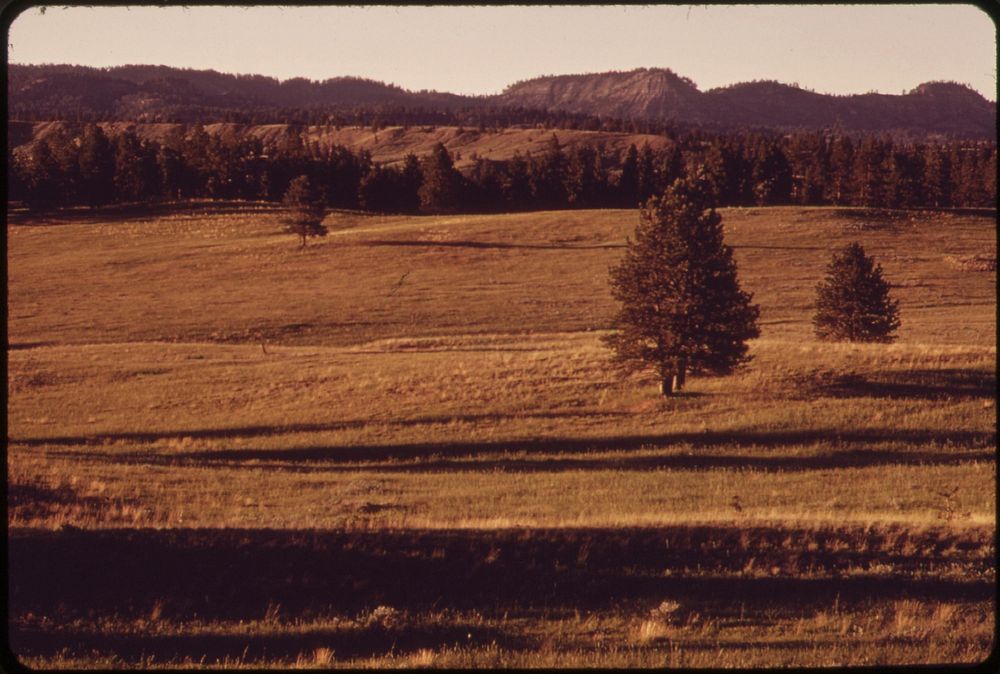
x: 973, y: 262
x: 836, y: 637
x: 474, y: 402
x: 206, y: 435
x: 230, y: 277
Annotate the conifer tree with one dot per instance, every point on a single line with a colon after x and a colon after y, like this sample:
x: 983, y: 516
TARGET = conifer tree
x: 628, y: 180
x: 170, y: 164
x: 840, y: 185
x: 853, y: 302
x: 937, y: 178
x: 548, y: 175
x: 305, y: 210
x: 869, y: 172
x: 682, y: 309
x: 410, y: 187
x: 441, y: 186
x: 671, y: 166
x: 43, y: 178
x: 646, y: 173
x: 516, y: 184
x: 96, y: 166
x: 136, y: 174
x: 582, y: 185
x: 379, y: 190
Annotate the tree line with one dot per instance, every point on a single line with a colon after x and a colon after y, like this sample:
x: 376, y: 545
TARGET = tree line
x: 92, y: 168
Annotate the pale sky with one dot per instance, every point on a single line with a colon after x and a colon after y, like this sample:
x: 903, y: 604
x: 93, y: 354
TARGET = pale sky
x: 480, y: 49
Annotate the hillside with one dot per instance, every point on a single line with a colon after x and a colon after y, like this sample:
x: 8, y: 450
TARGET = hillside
x: 543, y: 271
x: 160, y: 92
x: 389, y: 145
x: 405, y: 446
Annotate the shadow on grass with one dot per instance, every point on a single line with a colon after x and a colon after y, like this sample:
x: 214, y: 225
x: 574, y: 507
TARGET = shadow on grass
x: 29, y: 501
x: 865, y: 213
x: 17, y: 346
x: 758, y: 247
x: 37, y: 497
x: 282, y: 644
x: 243, y: 574
x: 917, y: 384
x: 421, y: 243
x: 263, y: 431
x: 845, y: 459
x: 436, y: 453
x: 124, y: 212
x: 563, y: 454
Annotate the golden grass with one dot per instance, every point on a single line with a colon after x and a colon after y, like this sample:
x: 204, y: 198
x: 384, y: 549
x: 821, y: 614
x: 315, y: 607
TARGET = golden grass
x: 187, y: 371
x: 435, y: 433
x: 230, y: 277
x: 864, y: 635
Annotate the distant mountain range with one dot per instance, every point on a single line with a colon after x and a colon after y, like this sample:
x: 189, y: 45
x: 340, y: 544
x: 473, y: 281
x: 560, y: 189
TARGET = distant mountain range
x: 152, y: 92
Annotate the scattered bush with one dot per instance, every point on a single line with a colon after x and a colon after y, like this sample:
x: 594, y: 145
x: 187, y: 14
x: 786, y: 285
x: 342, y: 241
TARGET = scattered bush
x: 973, y: 262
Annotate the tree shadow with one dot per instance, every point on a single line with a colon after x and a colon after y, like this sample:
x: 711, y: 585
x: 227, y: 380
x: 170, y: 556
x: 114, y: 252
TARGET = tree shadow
x: 281, y: 644
x: 872, y: 213
x: 438, y: 454
x: 922, y: 384
x: 31, y: 500
x: 17, y: 346
x: 449, y: 349
x: 234, y: 574
x: 843, y: 459
x: 269, y: 430
x: 761, y: 247
x: 485, y: 244
x: 113, y: 213
x: 22, y: 494
x: 864, y: 213
x: 570, y: 454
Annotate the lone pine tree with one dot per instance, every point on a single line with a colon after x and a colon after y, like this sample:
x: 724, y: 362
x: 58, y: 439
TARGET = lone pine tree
x: 305, y: 209
x: 853, y: 302
x: 682, y: 309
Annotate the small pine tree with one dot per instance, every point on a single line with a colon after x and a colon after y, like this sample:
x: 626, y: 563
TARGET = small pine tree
x: 305, y: 210
x: 853, y: 302
x: 682, y: 308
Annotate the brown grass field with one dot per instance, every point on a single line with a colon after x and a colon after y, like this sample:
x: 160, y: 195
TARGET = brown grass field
x: 404, y: 447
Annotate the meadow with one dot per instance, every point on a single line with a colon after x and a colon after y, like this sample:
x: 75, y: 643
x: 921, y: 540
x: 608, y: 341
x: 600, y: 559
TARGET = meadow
x: 404, y: 446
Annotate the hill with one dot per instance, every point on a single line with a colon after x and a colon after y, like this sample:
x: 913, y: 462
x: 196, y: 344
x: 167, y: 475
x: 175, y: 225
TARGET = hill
x: 656, y: 94
x: 129, y: 91
x: 934, y: 107
x: 136, y: 93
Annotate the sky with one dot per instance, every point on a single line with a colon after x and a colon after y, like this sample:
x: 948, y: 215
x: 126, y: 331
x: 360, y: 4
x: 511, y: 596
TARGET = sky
x: 841, y: 49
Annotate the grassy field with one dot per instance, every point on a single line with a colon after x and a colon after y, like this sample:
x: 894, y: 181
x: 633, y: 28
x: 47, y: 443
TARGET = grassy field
x: 403, y: 446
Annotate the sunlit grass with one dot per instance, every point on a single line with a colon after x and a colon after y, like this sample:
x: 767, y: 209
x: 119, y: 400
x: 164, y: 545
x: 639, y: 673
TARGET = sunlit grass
x: 194, y: 373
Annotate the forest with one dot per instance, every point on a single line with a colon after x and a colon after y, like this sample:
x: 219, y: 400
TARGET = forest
x: 90, y: 167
